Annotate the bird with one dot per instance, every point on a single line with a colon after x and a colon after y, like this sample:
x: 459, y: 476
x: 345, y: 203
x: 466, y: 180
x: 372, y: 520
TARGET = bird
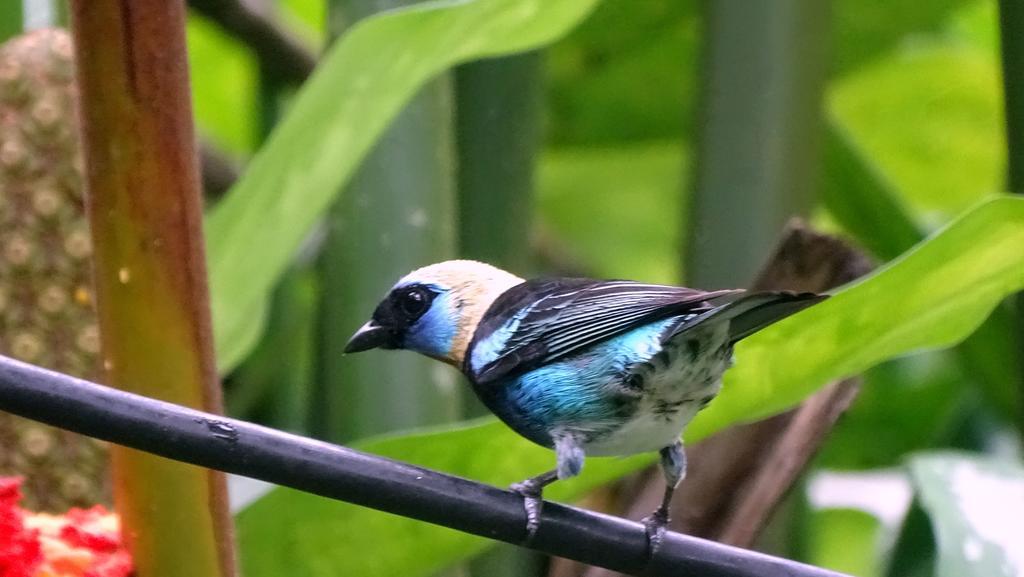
x: 578, y: 365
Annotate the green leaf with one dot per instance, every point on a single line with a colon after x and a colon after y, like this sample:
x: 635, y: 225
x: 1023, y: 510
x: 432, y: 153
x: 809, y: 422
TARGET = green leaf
x: 934, y: 296
x: 913, y: 553
x: 357, y: 89
x: 931, y: 117
x: 288, y: 532
x: 976, y: 505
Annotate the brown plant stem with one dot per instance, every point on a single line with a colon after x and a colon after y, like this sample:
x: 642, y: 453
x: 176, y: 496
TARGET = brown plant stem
x: 807, y: 429
x: 144, y: 207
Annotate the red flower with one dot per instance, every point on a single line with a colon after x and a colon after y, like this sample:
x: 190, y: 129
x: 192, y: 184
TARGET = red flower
x: 20, y: 552
x: 80, y: 543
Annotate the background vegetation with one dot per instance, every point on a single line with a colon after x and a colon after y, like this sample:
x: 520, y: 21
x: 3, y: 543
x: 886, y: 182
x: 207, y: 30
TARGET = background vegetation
x: 661, y: 140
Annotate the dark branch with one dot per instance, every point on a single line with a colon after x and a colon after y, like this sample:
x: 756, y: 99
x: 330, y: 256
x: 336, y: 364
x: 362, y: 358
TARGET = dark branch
x: 804, y: 434
x: 219, y: 170
x: 280, y: 52
x: 336, y: 472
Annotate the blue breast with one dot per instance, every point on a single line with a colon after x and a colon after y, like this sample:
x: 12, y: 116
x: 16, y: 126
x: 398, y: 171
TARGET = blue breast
x: 587, y: 391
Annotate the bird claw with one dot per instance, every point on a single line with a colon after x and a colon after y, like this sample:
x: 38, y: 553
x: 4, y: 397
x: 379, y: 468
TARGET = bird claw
x: 655, y: 526
x: 533, y: 503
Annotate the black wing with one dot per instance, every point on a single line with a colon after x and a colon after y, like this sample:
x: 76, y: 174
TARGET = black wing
x: 542, y: 320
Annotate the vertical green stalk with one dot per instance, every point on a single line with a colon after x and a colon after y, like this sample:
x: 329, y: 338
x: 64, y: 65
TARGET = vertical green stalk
x: 1011, y: 28
x: 498, y: 130
x: 498, y: 125
x: 498, y: 133
x: 758, y: 148
x: 144, y: 207
x: 758, y: 145
x: 396, y: 215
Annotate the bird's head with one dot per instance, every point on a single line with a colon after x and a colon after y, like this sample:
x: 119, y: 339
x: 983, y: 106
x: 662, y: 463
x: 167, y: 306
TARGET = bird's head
x: 434, y: 310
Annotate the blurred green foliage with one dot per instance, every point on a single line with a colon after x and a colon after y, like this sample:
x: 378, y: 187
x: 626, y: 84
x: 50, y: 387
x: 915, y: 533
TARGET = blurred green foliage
x: 903, y: 405
x: 225, y: 96
x: 11, y: 18
x: 581, y: 191
x: 844, y: 540
x: 914, y: 138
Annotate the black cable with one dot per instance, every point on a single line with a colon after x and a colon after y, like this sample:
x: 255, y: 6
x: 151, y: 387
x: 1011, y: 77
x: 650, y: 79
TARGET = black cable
x: 336, y: 472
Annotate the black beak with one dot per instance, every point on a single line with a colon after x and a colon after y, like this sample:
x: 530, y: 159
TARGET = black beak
x: 369, y: 336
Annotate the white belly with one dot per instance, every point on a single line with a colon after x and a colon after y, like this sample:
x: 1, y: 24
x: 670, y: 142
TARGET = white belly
x: 673, y: 395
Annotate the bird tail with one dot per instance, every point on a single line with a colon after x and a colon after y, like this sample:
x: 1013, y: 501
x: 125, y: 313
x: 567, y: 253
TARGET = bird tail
x: 753, y: 312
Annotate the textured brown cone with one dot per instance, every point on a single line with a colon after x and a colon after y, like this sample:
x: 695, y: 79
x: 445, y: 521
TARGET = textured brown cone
x: 46, y: 311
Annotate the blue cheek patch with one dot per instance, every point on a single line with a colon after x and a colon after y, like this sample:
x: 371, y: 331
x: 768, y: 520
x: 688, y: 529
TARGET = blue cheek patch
x: 434, y: 332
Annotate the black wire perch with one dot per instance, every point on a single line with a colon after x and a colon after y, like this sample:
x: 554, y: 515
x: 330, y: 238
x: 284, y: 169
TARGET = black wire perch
x: 336, y: 472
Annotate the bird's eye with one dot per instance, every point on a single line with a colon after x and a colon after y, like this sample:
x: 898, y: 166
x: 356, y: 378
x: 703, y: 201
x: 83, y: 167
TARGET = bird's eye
x: 414, y: 303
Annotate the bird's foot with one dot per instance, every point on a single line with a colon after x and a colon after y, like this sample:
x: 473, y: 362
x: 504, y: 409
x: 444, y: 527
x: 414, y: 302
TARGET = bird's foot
x: 655, y: 526
x: 531, y: 491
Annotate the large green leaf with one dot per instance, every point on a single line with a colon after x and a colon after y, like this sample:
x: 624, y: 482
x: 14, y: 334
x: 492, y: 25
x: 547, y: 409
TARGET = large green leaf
x: 932, y: 297
x: 930, y: 117
x: 293, y: 533
x: 360, y: 85
x: 976, y: 505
